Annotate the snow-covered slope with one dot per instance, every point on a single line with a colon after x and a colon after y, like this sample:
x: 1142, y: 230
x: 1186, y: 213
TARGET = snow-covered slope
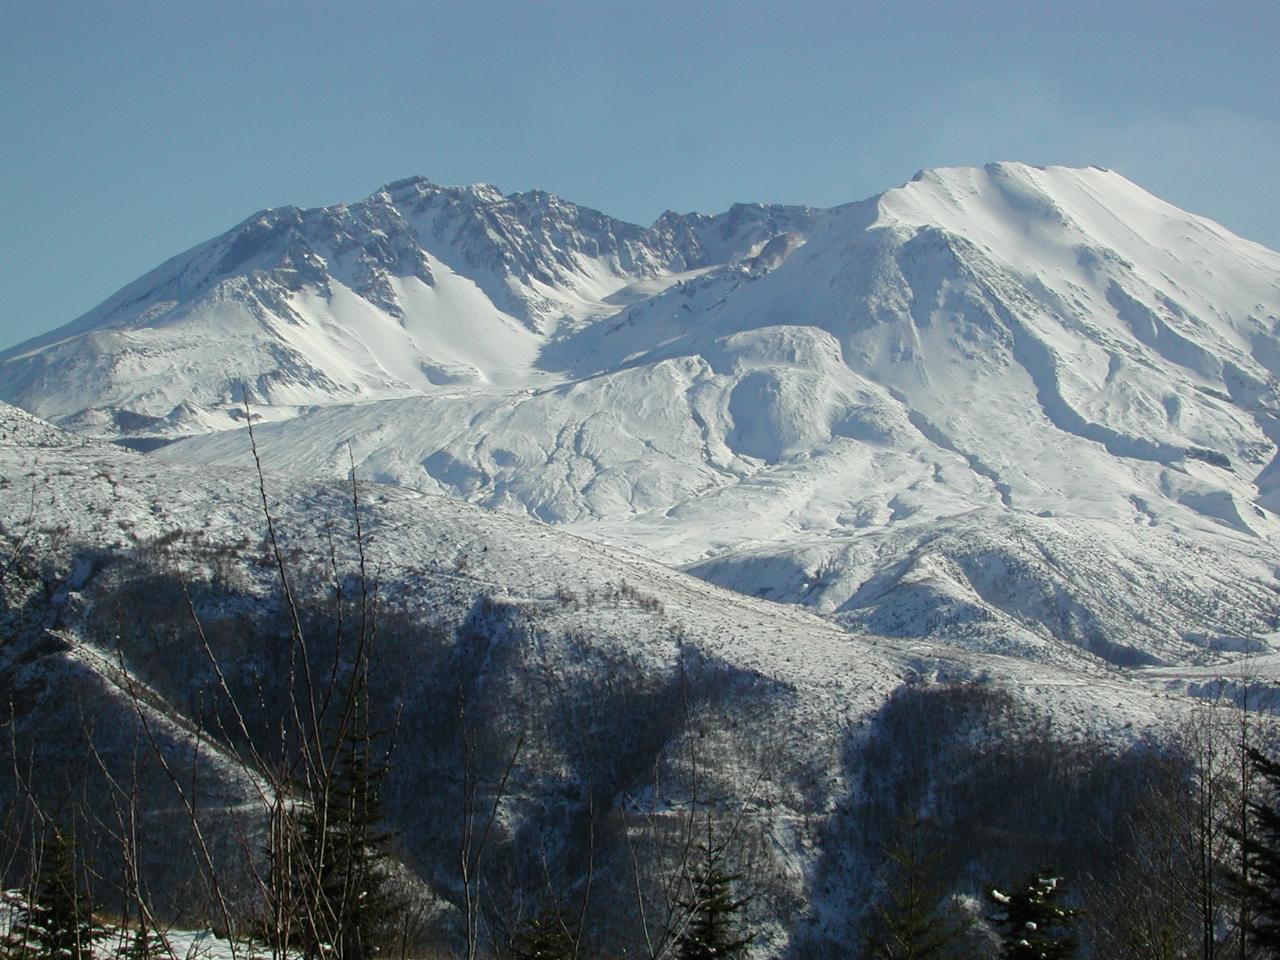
x: 1010, y: 408
x: 95, y: 498
x: 416, y: 288
x: 115, y: 539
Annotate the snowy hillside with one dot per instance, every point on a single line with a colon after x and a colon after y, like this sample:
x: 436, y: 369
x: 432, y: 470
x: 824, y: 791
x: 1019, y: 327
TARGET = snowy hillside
x: 1011, y: 409
x: 96, y: 497
x: 114, y: 554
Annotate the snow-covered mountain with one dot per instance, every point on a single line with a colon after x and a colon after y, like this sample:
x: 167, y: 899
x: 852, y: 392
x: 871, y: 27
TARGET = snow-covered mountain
x: 1010, y: 408
x: 1002, y: 441
x: 416, y: 288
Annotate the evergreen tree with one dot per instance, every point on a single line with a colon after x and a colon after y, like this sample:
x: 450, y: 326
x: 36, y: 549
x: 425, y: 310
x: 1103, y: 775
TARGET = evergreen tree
x: 544, y: 938
x: 1033, y: 924
x: 141, y: 944
x: 362, y: 878
x: 1259, y: 886
x: 57, y: 919
x: 712, y: 928
x: 908, y: 924
x: 338, y: 870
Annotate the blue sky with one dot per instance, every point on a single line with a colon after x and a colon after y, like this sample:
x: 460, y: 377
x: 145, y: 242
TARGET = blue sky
x: 132, y: 131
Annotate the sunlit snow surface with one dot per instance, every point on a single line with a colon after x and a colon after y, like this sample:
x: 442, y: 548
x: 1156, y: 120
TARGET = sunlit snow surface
x: 438, y: 554
x: 1008, y: 409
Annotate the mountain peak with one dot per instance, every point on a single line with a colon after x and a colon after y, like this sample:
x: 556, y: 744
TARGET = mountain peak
x: 316, y: 289
x: 407, y: 183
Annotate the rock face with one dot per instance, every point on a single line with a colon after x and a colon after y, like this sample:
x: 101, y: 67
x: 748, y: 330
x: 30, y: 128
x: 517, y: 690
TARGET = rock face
x: 1010, y: 408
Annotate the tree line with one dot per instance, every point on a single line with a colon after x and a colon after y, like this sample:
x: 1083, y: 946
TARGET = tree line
x: 1203, y: 882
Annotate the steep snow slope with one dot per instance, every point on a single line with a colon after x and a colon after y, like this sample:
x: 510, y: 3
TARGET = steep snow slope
x: 416, y: 288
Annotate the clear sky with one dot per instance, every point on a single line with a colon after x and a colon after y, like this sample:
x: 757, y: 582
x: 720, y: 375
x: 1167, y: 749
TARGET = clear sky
x: 132, y: 131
